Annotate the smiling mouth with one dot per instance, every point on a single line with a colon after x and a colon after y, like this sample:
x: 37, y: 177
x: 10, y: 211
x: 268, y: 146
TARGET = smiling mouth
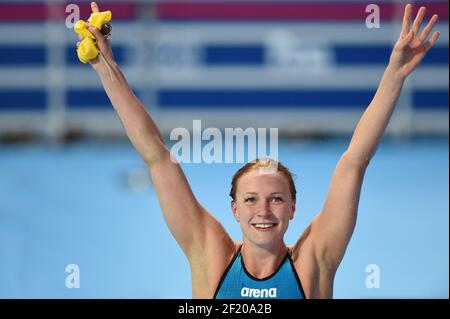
x: 264, y: 226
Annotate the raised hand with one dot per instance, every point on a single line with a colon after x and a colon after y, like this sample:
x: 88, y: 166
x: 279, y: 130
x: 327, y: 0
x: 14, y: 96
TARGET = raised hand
x: 411, y: 47
x: 106, y: 57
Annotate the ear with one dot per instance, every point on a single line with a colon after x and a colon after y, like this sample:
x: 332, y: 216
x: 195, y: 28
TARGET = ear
x: 234, y: 210
x: 291, y: 215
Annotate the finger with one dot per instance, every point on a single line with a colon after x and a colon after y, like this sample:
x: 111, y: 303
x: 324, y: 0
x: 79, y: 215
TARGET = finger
x: 407, y: 19
x: 94, y: 7
x: 433, y: 39
x: 78, y: 44
x: 429, y: 27
x: 419, y: 18
x: 101, y: 41
x: 406, y: 40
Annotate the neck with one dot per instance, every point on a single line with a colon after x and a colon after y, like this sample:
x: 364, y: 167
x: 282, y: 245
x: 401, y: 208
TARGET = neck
x: 262, y: 262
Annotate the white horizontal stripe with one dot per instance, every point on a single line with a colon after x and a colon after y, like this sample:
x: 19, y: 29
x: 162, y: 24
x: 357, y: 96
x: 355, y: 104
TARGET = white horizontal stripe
x: 236, y: 32
x: 430, y: 121
x: 323, y: 32
x: 16, y: 122
x: 287, y: 121
x: 37, y: 33
x: 227, y: 78
x: 348, y: 77
x: 299, y: 121
x: 19, y: 78
x: 74, y: 77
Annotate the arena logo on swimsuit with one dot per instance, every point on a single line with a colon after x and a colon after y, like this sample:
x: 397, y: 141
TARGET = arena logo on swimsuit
x: 259, y: 293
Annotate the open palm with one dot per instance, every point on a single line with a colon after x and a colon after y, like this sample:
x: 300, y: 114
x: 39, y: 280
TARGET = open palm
x: 411, y: 47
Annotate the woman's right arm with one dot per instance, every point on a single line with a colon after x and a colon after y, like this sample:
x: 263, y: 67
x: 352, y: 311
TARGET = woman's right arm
x: 196, y: 231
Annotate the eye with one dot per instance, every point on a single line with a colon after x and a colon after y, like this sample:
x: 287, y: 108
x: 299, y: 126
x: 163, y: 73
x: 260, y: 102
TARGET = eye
x: 249, y: 200
x: 277, y: 199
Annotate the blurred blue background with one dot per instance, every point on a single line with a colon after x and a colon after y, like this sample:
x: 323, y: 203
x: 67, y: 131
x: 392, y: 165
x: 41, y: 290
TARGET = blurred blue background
x: 74, y: 191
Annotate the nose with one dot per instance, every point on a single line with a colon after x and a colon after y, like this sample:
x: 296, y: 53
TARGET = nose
x: 264, y: 209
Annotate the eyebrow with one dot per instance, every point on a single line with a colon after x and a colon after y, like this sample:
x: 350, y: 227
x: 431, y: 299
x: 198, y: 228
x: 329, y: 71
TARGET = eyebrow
x: 254, y: 193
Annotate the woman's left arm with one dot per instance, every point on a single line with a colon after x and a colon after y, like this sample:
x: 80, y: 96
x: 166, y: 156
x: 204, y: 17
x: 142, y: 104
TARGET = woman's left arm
x: 408, y: 52
x: 332, y: 229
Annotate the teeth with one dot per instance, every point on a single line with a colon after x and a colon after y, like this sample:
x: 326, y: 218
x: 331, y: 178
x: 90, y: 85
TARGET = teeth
x: 263, y: 225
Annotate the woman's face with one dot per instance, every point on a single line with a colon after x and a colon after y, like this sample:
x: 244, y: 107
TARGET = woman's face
x: 263, y: 207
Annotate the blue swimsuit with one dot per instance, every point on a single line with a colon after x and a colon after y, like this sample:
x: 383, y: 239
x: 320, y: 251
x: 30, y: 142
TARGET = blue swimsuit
x: 238, y: 283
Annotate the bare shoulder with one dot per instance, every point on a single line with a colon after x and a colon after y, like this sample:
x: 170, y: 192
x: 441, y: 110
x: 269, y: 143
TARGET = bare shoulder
x: 237, y: 245
x: 228, y: 255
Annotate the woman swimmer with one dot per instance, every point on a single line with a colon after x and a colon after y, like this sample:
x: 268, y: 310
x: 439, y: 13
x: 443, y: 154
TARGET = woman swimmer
x: 262, y: 265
